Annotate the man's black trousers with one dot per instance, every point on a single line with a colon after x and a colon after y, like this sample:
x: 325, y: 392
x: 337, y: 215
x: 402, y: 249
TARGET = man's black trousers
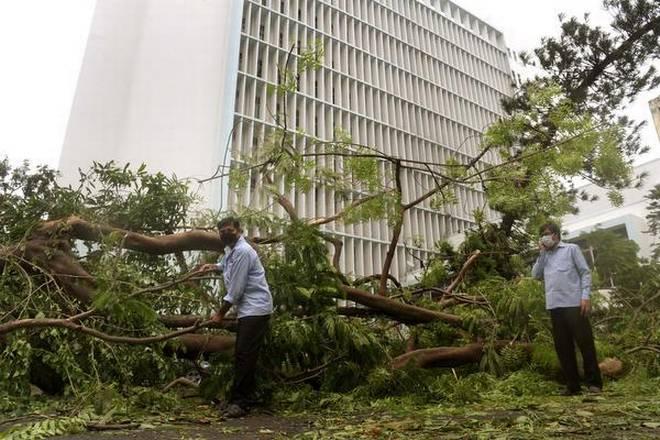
x: 570, y: 327
x: 249, y: 340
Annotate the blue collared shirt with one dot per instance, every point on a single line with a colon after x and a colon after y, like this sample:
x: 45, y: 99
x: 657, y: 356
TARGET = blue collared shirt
x: 566, y: 276
x: 245, y: 281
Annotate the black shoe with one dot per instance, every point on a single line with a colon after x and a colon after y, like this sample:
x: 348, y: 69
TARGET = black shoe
x: 594, y: 389
x: 234, y: 411
x: 570, y: 392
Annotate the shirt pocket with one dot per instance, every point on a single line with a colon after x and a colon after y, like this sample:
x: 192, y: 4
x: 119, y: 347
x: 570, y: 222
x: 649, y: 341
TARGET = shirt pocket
x: 564, y: 266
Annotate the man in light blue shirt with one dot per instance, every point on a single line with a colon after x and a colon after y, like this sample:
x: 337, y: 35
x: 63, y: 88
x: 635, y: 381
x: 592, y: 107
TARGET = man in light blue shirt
x: 567, y: 281
x: 248, y: 292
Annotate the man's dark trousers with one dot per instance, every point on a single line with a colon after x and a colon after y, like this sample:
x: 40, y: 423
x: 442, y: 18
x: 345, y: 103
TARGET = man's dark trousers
x: 570, y: 327
x: 249, y: 340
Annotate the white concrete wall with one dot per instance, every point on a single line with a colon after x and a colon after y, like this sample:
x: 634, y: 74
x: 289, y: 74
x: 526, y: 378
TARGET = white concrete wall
x: 157, y: 86
x: 632, y: 214
x: 654, y: 106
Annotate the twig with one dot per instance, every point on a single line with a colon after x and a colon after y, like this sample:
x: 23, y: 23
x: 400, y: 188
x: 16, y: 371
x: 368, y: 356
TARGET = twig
x: 375, y: 277
x: 310, y: 374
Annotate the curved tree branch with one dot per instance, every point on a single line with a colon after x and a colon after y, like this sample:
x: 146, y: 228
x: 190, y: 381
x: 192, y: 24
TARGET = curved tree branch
x: 470, y: 261
x: 192, y: 342
x: 402, y: 312
x: 76, y: 227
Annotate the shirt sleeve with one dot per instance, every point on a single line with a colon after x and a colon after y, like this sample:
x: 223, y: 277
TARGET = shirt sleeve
x: 584, y: 272
x: 239, y: 276
x: 220, y: 265
x: 539, y: 265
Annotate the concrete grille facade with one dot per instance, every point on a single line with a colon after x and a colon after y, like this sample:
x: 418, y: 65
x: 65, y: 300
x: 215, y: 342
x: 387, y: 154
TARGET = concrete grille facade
x: 413, y: 79
x: 183, y: 87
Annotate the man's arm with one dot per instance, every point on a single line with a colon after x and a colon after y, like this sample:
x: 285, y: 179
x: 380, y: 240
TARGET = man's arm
x: 539, y: 265
x: 583, y: 270
x: 220, y: 314
x: 211, y: 267
x: 585, y: 278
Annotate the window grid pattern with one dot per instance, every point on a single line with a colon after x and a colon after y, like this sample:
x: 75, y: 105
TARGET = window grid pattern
x: 416, y: 79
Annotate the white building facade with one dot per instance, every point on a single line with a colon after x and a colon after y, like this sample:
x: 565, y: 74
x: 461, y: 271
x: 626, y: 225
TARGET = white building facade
x: 654, y: 106
x: 629, y: 219
x: 183, y: 86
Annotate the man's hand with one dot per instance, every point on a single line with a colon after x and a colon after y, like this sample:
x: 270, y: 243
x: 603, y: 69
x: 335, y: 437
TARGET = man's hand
x: 585, y: 307
x: 207, y: 267
x: 217, y: 317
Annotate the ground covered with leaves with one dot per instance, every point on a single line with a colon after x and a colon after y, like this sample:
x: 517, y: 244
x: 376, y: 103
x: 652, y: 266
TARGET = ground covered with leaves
x: 522, y: 404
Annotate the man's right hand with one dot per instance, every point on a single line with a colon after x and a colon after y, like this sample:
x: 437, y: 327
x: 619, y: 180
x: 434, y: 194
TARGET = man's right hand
x: 217, y: 317
x: 541, y: 246
x: 207, y: 267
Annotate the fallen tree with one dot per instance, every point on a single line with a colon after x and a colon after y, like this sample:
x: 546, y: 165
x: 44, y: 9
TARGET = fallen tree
x: 111, y: 259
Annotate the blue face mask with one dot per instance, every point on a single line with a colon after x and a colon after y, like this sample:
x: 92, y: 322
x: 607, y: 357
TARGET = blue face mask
x: 548, y: 241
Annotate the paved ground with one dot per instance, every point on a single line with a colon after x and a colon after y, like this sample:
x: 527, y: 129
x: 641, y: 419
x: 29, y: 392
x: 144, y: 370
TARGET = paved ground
x: 259, y: 426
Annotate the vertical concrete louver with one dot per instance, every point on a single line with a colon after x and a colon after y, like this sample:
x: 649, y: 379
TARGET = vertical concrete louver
x: 412, y: 78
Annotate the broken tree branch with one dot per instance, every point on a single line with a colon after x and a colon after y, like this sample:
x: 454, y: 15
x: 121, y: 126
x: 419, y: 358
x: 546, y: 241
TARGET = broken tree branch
x: 470, y: 261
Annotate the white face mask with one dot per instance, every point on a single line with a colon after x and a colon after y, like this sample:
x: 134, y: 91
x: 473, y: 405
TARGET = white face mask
x: 548, y: 241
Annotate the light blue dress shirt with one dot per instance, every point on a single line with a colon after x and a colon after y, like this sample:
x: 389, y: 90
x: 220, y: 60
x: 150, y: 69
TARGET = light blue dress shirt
x: 566, y: 276
x: 245, y: 281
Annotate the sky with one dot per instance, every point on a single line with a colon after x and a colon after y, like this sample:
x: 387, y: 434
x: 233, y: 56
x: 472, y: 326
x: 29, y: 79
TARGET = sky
x: 41, y: 46
x: 42, y: 43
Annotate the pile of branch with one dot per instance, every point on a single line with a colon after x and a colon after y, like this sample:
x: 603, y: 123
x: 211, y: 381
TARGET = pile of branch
x: 49, y: 247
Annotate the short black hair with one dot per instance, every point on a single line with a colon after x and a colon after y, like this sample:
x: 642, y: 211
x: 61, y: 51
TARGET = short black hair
x: 231, y: 220
x: 552, y: 227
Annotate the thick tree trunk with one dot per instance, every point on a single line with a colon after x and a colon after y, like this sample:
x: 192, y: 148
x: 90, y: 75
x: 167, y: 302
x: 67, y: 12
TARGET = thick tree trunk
x: 440, y: 357
x: 194, y: 344
x: 75, y: 227
x: 447, y: 357
x: 55, y: 258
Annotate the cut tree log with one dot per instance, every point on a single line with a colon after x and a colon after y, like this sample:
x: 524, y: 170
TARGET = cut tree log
x: 440, y: 357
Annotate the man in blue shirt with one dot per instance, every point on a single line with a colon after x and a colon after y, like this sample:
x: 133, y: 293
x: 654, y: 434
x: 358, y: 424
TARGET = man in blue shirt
x: 567, y: 280
x: 248, y: 292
